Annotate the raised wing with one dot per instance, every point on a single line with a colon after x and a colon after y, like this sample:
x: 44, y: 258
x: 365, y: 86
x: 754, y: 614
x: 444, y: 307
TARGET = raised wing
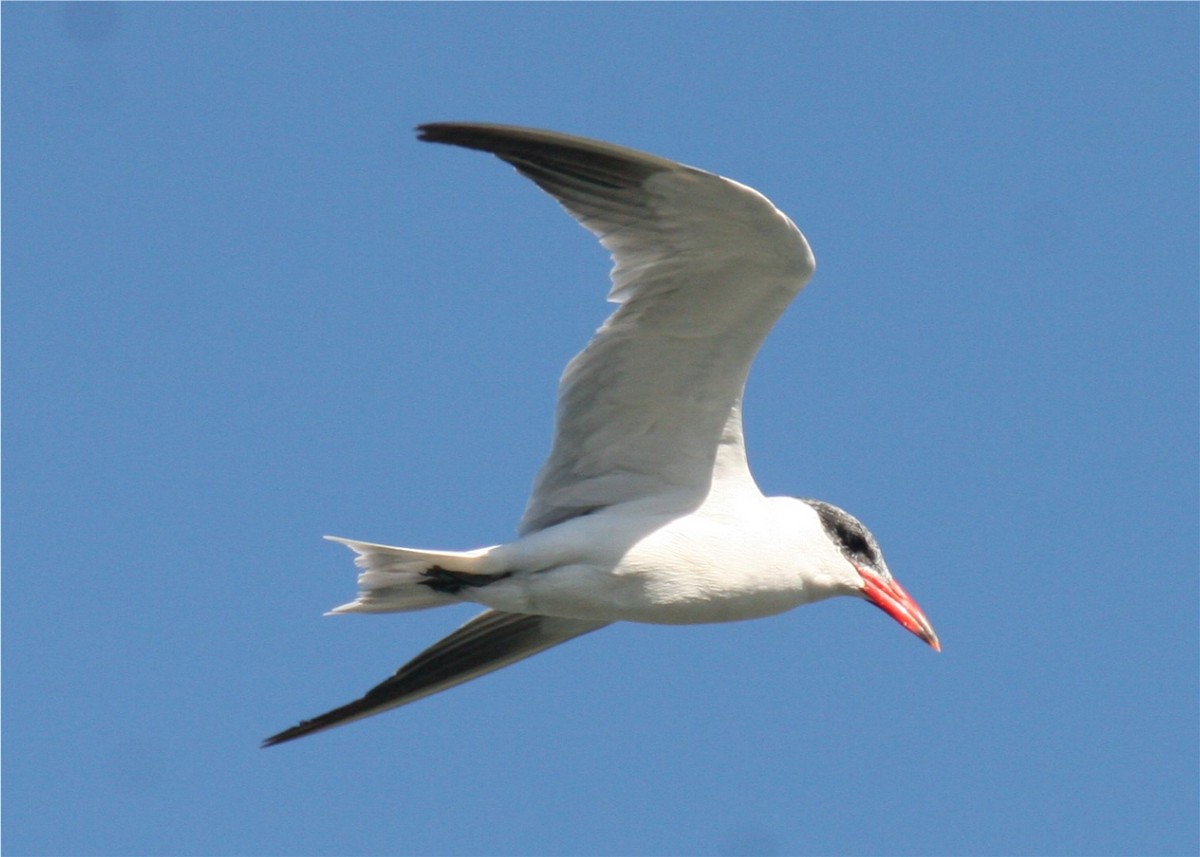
x: 488, y: 642
x: 703, y: 267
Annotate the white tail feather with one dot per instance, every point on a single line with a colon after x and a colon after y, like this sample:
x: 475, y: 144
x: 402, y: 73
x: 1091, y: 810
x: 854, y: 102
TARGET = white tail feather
x: 393, y: 579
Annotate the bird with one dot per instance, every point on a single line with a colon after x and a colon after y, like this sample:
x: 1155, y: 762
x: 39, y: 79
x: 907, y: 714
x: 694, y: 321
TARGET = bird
x: 645, y: 509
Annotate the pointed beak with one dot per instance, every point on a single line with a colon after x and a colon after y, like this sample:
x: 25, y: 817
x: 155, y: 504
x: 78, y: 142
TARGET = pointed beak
x: 890, y: 597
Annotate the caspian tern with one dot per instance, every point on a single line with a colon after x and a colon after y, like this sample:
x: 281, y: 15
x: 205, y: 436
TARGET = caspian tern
x: 645, y: 510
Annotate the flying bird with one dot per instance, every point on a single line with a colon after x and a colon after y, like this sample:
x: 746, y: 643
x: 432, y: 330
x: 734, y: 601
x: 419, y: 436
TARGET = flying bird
x: 645, y: 510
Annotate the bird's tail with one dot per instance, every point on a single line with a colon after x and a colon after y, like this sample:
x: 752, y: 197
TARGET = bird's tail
x: 399, y: 579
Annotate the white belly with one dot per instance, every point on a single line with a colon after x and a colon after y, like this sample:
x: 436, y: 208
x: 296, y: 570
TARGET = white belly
x: 687, y: 570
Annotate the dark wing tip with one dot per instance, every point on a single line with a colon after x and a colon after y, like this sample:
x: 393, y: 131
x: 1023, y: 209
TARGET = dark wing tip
x: 592, y: 160
x: 351, y: 711
x: 488, y: 642
x: 298, y: 731
x: 295, y: 732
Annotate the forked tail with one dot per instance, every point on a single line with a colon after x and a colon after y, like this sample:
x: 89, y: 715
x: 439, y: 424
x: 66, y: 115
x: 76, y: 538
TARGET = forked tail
x: 398, y: 579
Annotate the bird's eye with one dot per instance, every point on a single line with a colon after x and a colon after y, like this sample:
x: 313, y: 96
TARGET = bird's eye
x: 856, y: 542
x: 851, y: 537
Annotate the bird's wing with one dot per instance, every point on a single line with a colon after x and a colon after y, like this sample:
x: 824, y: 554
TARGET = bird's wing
x: 703, y: 266
x: 488, y: 642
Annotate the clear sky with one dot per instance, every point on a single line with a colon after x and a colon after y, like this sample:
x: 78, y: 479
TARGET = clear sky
x: 244, y: 308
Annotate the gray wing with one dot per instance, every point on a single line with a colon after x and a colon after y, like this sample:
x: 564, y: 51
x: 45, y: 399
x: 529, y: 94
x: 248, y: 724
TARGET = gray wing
x: 488, y: 642
x: 703, y: 267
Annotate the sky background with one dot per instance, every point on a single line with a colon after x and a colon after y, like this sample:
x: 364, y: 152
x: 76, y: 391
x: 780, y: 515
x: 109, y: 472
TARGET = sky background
x: 244, y: 308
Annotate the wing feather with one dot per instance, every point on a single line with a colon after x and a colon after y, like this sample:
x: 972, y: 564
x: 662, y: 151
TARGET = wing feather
x: 703, y: 267
x: 488, y: 642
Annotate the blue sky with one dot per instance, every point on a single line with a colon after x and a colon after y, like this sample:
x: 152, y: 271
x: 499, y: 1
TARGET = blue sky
x: 243, y: 308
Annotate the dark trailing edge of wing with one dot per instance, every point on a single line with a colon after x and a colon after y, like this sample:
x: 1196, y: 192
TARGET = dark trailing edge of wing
x: 486, y: 643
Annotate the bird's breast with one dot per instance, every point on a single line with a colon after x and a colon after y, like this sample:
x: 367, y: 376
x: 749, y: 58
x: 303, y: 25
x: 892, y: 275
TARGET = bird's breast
x: 690, y: 569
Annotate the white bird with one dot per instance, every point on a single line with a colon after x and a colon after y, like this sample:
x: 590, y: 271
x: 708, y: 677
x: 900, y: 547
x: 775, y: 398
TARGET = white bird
x: 645, y: 510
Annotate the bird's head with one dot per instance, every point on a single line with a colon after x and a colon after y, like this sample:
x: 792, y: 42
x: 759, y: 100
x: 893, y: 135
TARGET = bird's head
x: 870, y: 578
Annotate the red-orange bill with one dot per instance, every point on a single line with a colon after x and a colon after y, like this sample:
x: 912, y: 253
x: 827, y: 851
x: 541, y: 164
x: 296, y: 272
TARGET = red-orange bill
x: 890, y: 597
